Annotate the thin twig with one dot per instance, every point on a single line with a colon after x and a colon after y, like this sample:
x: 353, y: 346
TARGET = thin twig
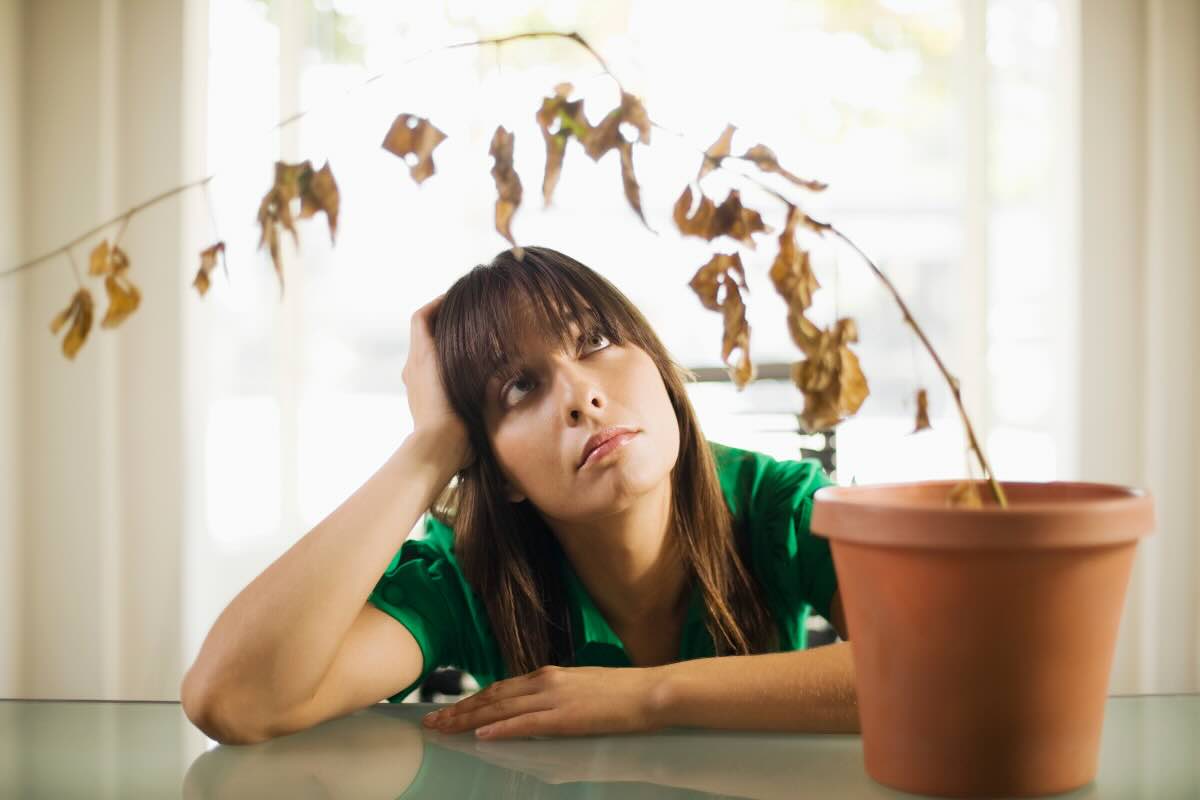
x: 124, y: 215
x: 950, y: 379
x: 75, y: 268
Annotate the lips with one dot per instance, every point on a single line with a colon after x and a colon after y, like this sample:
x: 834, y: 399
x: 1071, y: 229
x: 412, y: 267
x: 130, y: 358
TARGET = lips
x: 602, y: 436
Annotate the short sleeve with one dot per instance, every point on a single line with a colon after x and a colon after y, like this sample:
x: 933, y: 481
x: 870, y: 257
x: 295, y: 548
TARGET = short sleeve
x: 422, y: 590
x: 772, y: 500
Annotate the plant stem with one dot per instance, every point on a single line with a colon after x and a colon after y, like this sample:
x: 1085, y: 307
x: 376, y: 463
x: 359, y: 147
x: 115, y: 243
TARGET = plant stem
x: 125, y: 215
x: 997, y: 490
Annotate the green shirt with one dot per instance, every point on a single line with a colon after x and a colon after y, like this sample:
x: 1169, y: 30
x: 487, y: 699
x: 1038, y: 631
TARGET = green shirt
x: 425, y: 590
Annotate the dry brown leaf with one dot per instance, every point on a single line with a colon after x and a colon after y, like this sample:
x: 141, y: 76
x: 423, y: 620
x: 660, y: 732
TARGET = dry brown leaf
x: 831, y: 377
x: 725, y: 269
x: 792, y: 272
x: 607, y: 136
x: 710, y: 221
x: 275, y: 210
x: 764, y: 158
x: 208, y: 262
x: 319, y: 192
x: 79, y: 314
x: 737, y: 335
x: 415, y: 135
x: 633, y: 192
x: 123, y: 300
x: 922, y: 411
x: 508, y: 184
x: 710, y: 277
x: 717, y: 151
x: 571, y: 122
x: 964, y: 495
x: 106, y: 261
x: 98, y: 263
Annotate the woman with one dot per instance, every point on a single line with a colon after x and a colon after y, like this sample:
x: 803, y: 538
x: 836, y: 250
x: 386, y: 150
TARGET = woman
x: 592, y: 562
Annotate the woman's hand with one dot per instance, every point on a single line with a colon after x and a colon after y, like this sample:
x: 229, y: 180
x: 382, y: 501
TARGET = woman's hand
x: 431, y: 410
x: 557, y: 701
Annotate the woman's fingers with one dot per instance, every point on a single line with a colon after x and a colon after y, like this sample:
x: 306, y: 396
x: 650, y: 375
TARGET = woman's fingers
x: 496, y: 711
x: 500, y: 690
x: 536, y: 723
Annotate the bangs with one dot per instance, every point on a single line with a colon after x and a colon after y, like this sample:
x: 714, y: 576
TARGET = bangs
x: 546, y: 296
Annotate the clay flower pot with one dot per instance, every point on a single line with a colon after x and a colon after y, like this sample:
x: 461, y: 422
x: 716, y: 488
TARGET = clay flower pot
x: 982, y: 638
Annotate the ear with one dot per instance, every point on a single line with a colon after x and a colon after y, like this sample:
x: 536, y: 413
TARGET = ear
x: 513, y: 495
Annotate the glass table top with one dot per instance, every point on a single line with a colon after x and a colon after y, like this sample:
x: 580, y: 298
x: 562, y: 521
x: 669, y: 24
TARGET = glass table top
x: 95, y: 749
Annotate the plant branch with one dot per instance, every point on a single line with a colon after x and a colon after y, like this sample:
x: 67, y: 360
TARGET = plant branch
x: 950, y: 379
x: 124, y: 216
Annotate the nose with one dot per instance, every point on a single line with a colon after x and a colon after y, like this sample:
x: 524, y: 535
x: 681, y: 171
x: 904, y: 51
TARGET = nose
x: 579, y: 392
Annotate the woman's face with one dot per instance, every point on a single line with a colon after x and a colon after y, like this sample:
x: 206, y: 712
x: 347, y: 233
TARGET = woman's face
x: 539, y: 421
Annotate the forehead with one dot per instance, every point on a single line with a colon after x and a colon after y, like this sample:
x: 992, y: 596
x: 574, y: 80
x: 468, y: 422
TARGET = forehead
x: 532, y: 331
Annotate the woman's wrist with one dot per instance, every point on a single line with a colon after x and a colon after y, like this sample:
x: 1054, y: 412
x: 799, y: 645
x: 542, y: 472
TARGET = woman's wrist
x: 430, y: 448
x: 660, y: 696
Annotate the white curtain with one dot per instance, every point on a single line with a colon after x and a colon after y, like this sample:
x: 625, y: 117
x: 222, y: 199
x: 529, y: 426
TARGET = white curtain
x: 1132, y: 189
x: 92, y: 501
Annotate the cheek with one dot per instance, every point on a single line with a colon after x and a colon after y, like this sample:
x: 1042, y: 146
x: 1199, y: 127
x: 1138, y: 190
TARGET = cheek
x: 521, y: 452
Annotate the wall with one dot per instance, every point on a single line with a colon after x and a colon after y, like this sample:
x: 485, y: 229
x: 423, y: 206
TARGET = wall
x: 11, y: 353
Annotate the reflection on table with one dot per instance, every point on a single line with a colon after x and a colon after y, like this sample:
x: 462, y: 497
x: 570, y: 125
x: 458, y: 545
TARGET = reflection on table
x: 66, y: 749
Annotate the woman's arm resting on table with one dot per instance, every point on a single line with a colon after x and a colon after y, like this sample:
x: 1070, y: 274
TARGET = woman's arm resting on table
x: 803, y: 691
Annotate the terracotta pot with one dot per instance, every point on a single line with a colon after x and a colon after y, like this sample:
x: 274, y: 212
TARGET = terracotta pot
x: 982, y: 638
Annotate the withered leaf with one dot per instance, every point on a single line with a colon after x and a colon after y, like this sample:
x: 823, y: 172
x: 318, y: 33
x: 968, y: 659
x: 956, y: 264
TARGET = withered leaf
x: 208, y: 262
x: 571, y: 122
x: 508, y: 184
x: 710, y: 277
x: 319, y: 192
x: 764, y: 158
x: 275, y: 210
x: 79, y: 313
x: 737, y: 335
x: 964, y: 495
x: 710, y: 221
x: 725, y: 269
x: 606, y: 136
x: 831, y: 377
x: 717, y: 151
x: 792, y: 272
x: 105, y: 260
x: 123, y: 296
x: 415, y: 135
x: 922, y: 411
x: 633, y: 192
x: 123, y: 300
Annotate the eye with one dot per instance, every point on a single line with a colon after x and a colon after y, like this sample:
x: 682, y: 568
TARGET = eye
x: 513, y: 384
x: 594, y: 335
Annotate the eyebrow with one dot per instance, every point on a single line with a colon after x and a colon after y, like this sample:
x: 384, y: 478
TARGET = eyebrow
x: 518, y: 363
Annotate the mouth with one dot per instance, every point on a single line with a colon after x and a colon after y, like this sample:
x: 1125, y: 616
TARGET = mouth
x: 604, y: 442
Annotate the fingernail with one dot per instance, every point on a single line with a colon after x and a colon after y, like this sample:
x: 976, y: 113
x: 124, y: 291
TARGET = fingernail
x: 486, y: 730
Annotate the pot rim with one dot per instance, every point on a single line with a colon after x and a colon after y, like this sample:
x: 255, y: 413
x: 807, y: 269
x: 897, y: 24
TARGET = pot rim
x: 1082, y: 514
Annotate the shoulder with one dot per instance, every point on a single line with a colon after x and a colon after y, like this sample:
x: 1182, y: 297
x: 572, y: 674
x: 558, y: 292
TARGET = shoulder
x: 760, y: 488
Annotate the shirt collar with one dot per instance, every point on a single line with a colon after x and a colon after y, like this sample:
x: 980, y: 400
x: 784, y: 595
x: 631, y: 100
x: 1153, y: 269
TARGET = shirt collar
x: 591, y: 631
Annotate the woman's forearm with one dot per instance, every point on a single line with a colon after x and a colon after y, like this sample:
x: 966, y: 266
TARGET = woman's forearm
x: 802, y: 691
x: 270, y: 648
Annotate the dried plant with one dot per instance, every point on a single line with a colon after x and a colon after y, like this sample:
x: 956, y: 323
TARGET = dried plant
x: 829, y: 374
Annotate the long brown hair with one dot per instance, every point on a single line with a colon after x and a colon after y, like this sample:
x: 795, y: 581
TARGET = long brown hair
x: 507, y: 552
